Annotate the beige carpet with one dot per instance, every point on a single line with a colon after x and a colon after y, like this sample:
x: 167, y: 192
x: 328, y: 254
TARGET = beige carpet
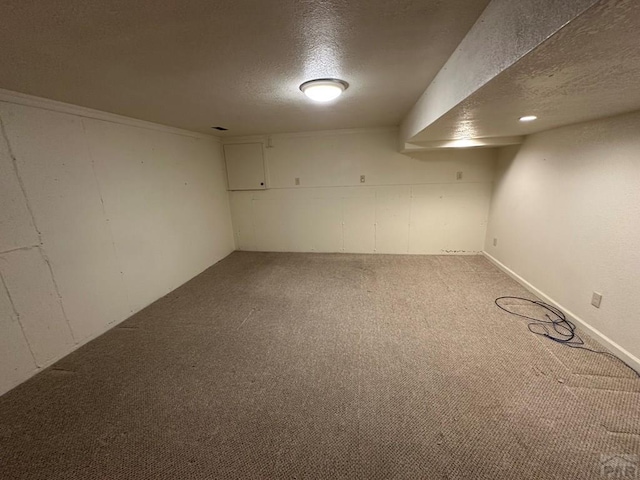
x: 325, y: 366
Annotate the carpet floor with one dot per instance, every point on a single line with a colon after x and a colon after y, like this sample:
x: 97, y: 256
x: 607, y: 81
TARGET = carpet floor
x: 272, y: 365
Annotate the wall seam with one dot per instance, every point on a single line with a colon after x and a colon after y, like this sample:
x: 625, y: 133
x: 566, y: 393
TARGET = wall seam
x: 375, y: 221
x: 17, y: 314
x: 370, y: 185
x: 17, y: 249
x: 16, y: 170
x: 253, y: 223
x: 343, y: 201
x: 106, y: 217
x: 410, y: 218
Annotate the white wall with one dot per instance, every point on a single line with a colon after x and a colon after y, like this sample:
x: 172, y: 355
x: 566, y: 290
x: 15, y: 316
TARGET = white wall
x: 409, y: 204
x: 98, y: 218
x: 566, y: 213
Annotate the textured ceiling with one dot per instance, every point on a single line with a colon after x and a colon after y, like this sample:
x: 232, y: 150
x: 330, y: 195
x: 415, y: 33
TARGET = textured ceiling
x: 200, y: 63
x: 588, y: 70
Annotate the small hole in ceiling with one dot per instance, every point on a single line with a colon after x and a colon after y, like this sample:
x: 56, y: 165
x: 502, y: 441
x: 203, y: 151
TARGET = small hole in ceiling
x: 222, y: 129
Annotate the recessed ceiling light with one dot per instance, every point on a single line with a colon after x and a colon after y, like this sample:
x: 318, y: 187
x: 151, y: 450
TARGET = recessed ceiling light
x: 324, y: 89
x: 528, y: 118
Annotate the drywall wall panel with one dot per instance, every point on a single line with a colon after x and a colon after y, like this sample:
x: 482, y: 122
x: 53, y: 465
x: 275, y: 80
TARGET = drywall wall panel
x: 305, y: 157
x: 393, y: 207
x: 16, y: 224
x: 134, y: 184
x: 449, y: 218
x: 126, y: 212
x: 466, y: 216
x: 340, y: 158
x: 273, y: 222
x: 307, y: 225
x: 30, y: 286
x: 426, y: 219
x: 407, y: 204
x: 323, y: 225
x: 165, y: 203
x: 241, y: 204
x: 16, y: 360
x: 566, y: 216
x: 55, y: 166
x: 359, y: 223
x: 442, y: 166
x: 427, y: 234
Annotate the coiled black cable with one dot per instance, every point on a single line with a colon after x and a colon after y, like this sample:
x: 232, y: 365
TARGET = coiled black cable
x: 555, y: 327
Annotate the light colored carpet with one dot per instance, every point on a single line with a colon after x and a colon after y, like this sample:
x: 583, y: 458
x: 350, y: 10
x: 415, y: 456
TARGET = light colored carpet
x: 324, y: 366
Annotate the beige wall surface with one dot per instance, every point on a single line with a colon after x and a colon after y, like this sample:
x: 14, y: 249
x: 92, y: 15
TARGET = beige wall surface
x: 98, y: 219
x: 566, y: 216
x: 408, y: 204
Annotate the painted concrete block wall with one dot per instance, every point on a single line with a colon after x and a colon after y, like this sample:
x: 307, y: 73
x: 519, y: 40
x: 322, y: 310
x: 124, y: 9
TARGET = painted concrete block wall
x: 98, y: 218
x: 408, y: 204
x: 566, y: 213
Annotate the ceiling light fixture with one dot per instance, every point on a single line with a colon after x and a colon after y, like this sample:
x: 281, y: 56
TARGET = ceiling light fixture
x: 324, y: 89
x: 528, y: 118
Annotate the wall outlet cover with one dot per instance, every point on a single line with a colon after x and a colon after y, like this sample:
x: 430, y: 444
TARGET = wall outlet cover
x: 361, y: 178
x: 596, y: 299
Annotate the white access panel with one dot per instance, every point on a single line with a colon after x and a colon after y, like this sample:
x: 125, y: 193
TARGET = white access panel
x: 245, y: 166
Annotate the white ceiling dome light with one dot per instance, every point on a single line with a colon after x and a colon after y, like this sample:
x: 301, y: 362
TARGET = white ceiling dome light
x: 324, y: 89
x: 528, y: 118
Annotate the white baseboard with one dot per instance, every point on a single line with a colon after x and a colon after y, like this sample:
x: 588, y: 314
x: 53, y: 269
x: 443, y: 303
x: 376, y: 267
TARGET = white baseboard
x: 612, y: 346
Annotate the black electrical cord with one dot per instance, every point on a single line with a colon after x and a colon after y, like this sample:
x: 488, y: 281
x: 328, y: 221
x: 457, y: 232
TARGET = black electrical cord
x: 555, y: 327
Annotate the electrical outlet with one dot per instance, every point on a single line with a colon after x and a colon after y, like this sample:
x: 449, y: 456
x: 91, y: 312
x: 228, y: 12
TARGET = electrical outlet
x: 459, y: 176
x: 495, y: 242
x: 297, y: 181
x: 596, y: 298
x: 361, y: 178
